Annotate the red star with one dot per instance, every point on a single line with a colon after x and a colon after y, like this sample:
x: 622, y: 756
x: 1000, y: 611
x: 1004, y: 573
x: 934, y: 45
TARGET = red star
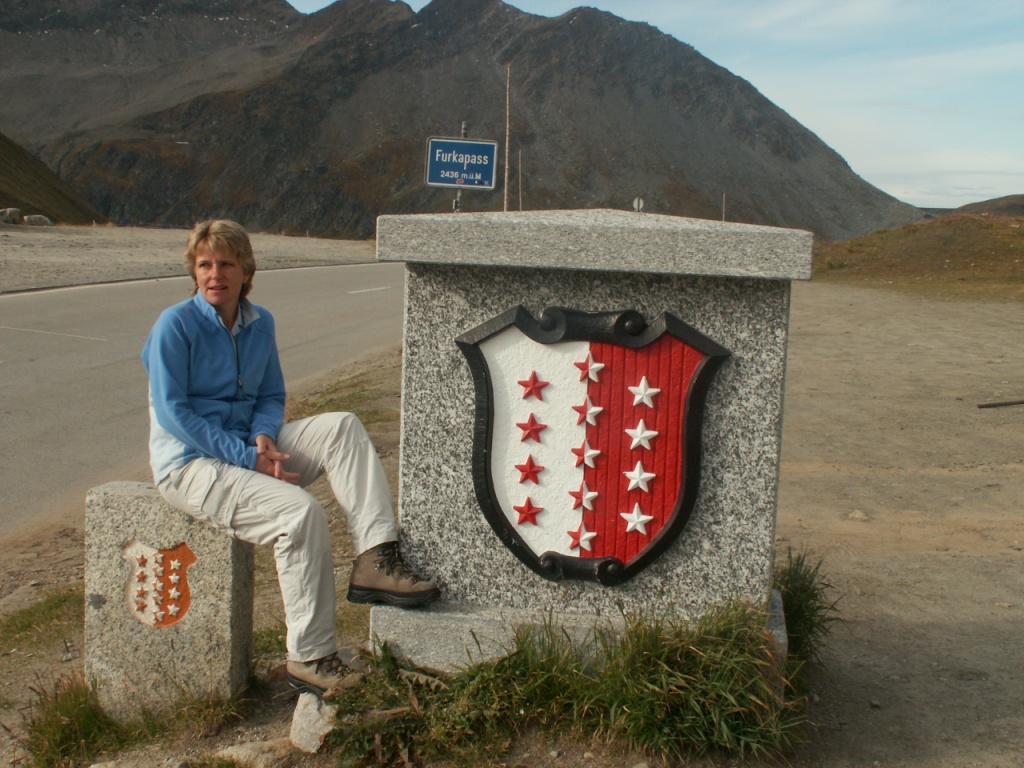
x: 585, y: 454
x: 141, y: 560
x: 589, y: 368
x: 140, y: 576
x: 533, y: 386
x: 529, y: 470
x: 140, y: 606
x: 527, y: 512
x: 584, y: 497
x: 141, y: 592
x: 531, y: 429
x: 587, y: 412
x: 580, y: 538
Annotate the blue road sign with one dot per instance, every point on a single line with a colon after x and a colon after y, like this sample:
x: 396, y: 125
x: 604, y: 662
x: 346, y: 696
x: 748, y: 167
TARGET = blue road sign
x: 461, y: 163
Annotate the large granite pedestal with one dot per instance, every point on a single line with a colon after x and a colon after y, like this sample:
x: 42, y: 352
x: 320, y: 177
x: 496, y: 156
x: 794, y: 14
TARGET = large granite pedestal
x: 730, y: 282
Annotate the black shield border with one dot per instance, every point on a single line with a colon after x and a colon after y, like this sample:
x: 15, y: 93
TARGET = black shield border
x: 628, y: 328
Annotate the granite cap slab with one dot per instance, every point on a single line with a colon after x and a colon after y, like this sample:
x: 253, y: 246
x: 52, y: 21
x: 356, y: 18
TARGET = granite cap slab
x: 600, y: 239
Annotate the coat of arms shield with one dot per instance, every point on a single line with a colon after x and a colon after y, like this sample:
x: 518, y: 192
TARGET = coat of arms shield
x: 158, y: 593
x: 587, y: 438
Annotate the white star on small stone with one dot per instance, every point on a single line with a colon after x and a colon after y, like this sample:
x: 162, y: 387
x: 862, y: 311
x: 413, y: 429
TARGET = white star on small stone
x: 637, y: 521
x: 641, y: 435
x: 643, y: 393
x: 589, y: 368
x: 638, y: 477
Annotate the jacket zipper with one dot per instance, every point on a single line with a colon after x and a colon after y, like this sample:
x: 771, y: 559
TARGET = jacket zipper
x: 238, y: 360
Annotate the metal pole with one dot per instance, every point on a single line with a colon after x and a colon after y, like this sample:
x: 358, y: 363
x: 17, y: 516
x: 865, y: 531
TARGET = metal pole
x: 457, y: 202
x: 508, y: 92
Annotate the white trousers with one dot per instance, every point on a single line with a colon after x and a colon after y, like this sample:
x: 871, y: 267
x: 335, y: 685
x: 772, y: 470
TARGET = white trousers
x: 260, y: 509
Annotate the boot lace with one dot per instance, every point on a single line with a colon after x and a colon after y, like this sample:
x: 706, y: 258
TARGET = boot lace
x: 332, y: 665
x: 390, y: 561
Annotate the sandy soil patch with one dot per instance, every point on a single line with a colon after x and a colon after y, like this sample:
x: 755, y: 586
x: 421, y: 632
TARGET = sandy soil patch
x: 48, y: 257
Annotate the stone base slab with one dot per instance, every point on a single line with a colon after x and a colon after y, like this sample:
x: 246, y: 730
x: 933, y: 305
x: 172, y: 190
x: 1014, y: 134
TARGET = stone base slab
x: 447, y: 637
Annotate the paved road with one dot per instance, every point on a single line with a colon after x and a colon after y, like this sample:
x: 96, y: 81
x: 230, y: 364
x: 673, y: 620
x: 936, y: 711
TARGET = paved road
x: 73, y: 390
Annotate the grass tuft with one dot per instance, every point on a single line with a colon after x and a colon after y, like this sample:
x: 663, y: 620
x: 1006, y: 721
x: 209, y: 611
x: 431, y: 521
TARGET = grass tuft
x: 810, y: 610
x: 67, y: 727
x: 663, y: 687
x: 59, y: 612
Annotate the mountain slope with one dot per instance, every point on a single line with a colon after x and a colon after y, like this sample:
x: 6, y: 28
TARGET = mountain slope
x: 318, y: 123
x: 26, y: 183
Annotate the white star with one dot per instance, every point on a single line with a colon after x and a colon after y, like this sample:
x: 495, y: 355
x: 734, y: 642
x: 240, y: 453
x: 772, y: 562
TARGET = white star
x: 637, y: 521
x: 638, y: 477
x: 585, y: 454
x: 589, y: 368
x: 175, y: 578
x: 158, y: 586
x: 644, y: 393
x: 585, y: 537
x: 587, y: 412
x: 174, y: 594
x: 584, y: 496
x: 158, y: 571
x: 159, y: 557
x: 641, y: 435
x: 158, y: 615
x: 173, y: 609
x: 175, y: 565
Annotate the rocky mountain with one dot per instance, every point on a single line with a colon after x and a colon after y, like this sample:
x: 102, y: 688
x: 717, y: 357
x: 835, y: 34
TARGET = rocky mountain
x: 165, y: 111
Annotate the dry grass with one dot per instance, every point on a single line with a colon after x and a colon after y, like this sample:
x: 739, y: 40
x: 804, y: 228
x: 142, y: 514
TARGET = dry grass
x: 956, y: 258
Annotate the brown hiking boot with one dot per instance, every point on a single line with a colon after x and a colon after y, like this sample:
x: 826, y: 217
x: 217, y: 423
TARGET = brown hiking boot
x: 380, y: 576
x: 324, y: 677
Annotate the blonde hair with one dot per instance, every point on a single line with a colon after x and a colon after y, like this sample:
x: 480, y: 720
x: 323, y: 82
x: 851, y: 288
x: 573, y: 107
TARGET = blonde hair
x: 221, y: 234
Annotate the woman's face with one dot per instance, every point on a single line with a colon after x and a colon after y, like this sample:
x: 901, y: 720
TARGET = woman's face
x: 219, y: 277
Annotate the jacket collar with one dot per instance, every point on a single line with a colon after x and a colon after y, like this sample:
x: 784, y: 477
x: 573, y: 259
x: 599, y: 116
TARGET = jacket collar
x: 247, y: 309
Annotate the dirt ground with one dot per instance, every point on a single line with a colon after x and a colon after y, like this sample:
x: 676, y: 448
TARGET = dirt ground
x: 891, y: 473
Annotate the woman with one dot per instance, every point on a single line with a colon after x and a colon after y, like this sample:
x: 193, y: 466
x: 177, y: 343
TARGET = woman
x: 220, y: 451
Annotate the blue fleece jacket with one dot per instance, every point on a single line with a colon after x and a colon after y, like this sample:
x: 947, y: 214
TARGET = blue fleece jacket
x: 210, y: 391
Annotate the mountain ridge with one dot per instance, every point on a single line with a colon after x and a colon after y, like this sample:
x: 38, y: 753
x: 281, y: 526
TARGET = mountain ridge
x: 318, y: 123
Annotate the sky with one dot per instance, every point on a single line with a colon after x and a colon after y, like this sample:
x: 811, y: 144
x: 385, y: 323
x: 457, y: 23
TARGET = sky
x: 923, y: 98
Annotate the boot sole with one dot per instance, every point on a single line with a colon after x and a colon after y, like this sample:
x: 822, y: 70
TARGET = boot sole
x: 303, y: 687
x: 403, y: 600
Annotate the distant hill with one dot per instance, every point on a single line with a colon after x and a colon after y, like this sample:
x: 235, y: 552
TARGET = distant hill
x: 956, y: 256
x: 164, y: 111
x: 1011, y: 205
x: 26, y: 183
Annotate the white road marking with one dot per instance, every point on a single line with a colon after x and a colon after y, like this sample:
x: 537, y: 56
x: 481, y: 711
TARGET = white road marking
x: 51, y: 333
